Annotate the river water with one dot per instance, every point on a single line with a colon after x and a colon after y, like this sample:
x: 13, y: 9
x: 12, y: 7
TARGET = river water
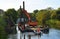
x: 53, y: 34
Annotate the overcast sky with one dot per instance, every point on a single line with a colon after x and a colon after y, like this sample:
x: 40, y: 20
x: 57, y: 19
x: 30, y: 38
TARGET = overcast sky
x: 30, y: 5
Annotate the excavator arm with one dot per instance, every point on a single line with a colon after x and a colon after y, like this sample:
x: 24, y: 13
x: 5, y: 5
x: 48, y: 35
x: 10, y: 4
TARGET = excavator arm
x: 25, y: 13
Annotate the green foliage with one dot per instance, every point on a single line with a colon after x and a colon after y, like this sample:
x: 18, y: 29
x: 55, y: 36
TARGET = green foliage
x: 35, y: 11
x: 2, y: 21
x: 53, y: 23
x: 58, y: 14
x: 53, y: 14
x: 3, y: 34
x: 18, y: 11
x: 49, y: 16
x: 11, y: 13
x: 42, y: 16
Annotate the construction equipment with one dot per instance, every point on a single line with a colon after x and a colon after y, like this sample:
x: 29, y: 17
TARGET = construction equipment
x: 25, y: 23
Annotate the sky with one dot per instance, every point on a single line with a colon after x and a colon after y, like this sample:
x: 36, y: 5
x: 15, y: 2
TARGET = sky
x: 30, y: 5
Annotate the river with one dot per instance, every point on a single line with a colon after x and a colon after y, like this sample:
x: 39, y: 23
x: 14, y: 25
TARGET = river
x: 53, y: 34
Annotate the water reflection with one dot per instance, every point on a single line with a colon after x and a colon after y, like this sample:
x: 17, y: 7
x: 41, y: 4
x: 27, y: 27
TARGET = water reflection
x: 12, y: 36
x: 53, y: 34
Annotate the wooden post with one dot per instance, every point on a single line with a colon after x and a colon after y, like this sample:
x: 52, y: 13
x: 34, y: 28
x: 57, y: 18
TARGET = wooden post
x: 38, y: 36
x: 24, y: 36
x: 20, y: 35
x: 29, y: 36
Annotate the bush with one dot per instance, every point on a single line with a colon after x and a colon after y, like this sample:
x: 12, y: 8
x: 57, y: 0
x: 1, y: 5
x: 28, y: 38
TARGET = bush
x: 53, y: 23
x: 3, y: 34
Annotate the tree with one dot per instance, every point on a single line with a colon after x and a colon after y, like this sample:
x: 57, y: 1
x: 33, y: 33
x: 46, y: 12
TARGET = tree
x: 3, y: 34
x: 58, y: 14
x: 35, y: 11
x: 42, y: 16
x: 49, y: 8
x: 12, y: 13
x: 53, y: 14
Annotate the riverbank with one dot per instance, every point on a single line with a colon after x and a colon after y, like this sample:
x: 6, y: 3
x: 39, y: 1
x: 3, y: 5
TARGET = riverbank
x: 4, y: 30
x: 53, y: 23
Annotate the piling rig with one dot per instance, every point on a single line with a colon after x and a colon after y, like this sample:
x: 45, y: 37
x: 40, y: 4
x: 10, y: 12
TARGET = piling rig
x: 26, y: 24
